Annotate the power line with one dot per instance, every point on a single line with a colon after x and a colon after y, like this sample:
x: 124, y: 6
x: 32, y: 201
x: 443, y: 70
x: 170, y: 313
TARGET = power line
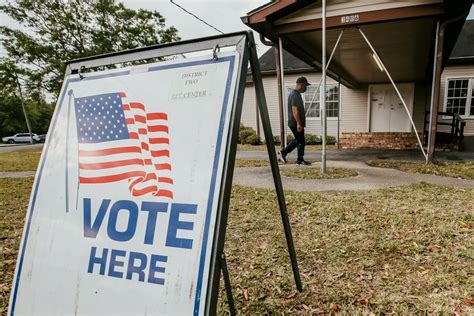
x: 196, y: 17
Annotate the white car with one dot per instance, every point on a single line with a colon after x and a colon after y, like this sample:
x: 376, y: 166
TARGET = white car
x: 21, y: 138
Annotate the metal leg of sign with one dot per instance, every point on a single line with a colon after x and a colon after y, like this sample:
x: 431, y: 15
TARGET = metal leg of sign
x: 262, y: 103
x: 224, y: 198
x: 227, y: 285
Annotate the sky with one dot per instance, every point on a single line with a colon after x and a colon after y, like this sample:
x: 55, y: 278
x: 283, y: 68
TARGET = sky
x: 222, y: 14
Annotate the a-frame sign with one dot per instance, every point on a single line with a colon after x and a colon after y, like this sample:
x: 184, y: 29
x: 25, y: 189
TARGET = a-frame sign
x: 129, y: 206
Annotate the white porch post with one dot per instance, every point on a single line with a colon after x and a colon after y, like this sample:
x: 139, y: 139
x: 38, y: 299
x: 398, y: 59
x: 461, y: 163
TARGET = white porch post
x: 433, y: 95
x: 323, y: 93
x: 283, y: 89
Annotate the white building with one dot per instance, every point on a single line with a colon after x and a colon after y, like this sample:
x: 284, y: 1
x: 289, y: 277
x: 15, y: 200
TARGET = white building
x: 363, y: 108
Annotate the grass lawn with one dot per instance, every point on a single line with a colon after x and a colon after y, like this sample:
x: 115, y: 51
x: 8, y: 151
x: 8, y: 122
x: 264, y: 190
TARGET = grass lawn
x: 402, y: 250
x: 239, y: 163
x: 23, y: 160
x: 407, y: 249
x: 463, y: 170
x: 313, y: 172
x: 14, y: 197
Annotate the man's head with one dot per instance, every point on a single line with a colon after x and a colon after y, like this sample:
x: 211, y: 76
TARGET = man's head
x: 301, y: 84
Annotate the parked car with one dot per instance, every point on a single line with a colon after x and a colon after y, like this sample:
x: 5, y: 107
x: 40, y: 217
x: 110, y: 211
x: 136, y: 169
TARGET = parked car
x: 21, y: 138
x: 42, y: 138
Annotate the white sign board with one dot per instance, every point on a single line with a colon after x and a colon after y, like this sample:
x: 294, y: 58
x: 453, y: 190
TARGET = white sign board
x: 123, y: 208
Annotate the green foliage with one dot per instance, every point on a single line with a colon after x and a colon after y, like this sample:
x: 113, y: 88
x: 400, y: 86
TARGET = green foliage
x: 247, y: 135
x: 253, y: 139
x: 53, y: 32
x: 276, y: 140
x: 12, y: 119
x: 57, y: 31
x: 312, y: 139
x: 309, y: 139
x: 330, y: 140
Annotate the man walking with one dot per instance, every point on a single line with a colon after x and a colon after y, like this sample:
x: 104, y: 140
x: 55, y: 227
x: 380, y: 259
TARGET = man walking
x: 296, y: 122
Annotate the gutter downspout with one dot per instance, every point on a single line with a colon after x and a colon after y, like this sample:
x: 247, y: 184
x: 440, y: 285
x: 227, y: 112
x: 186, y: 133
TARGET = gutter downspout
x: 436, y: 86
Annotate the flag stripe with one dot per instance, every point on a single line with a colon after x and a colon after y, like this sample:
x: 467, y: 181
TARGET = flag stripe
x: 111, y: 164
x: 146, y: 190
x: 109, y: 151
x: 158, y: 128
x: 163, y: 166
x: 165, y: 193
x: 157, y: 116
x: 112, y: 178
x: 165, y: 180
x: 159, y: 140
x: 140, y: 118
x: 136, y: 105
x: 160, y: 153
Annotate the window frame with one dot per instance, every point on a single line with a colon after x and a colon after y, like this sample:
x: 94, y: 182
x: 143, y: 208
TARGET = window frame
x: 318, y: 118
x: 469, y: 96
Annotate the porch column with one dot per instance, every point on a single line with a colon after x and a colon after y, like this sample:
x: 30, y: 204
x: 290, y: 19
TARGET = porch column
x: 438, y: 59
x: 257, y: 116
x: 278, y: 54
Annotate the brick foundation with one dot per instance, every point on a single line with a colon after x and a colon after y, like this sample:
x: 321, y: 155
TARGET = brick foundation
x: 357, y: 140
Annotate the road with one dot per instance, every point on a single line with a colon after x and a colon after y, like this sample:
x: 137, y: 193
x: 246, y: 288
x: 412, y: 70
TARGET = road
x: 18, y: 147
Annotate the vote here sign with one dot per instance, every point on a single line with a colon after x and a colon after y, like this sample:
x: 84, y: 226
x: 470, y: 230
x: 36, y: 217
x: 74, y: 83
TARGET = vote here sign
x: 123, y: 208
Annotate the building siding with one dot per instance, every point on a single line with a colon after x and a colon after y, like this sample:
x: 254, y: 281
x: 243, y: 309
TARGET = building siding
x: 464, y: 71
x: 354, y: 116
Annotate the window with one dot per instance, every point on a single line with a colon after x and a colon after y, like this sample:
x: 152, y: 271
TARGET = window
x: 311, y: 100
x: 460, y: 96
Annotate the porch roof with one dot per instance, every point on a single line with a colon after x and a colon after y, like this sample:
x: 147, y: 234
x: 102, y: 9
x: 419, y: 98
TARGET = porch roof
x: 402, y: 32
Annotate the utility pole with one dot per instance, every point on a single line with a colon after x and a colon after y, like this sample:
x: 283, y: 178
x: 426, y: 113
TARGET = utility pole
x: 24, y: 109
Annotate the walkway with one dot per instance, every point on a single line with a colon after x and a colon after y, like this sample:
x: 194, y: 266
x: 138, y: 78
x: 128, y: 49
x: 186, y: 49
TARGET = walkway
x: 368, y: 177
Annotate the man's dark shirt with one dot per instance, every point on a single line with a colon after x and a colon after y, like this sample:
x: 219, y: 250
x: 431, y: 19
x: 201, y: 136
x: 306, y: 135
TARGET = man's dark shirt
x: 295, y: 99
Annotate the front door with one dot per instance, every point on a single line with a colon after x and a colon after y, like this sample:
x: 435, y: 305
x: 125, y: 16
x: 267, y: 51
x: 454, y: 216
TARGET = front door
x: 387, y: 113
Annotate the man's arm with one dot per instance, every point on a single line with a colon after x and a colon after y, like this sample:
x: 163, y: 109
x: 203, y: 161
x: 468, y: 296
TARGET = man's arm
x: 299, y: 124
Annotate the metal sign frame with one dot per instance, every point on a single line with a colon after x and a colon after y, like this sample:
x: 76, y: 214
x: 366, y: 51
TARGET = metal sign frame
x: 244, y: 45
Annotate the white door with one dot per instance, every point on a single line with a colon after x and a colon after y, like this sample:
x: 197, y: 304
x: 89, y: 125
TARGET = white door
x: 387, y: 113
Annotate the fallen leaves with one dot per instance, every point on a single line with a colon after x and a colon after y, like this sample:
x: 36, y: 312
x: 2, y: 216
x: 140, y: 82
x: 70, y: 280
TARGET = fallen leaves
x: 459, y: 170
x: 359, y: 253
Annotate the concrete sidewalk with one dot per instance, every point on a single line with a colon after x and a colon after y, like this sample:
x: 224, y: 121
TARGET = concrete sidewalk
x: 364, y: 155
x: 368, y: 177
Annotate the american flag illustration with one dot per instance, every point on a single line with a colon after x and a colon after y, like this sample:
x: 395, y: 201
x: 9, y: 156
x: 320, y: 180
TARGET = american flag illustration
x: 121, y: 141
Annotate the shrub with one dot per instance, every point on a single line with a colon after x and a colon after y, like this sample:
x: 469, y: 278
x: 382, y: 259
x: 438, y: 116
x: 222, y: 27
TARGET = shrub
x: 276, y: 140
x: 312, y: 139
x: 253, y: 139
x: 309, y: 139
x: 330, y: 140
x: 247, y: 135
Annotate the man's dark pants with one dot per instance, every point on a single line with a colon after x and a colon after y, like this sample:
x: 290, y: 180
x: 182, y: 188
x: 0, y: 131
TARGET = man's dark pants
x: 298, y: 142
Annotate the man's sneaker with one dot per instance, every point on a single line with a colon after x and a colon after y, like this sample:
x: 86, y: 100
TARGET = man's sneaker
x: 303, y: 163
x: 282, y: 157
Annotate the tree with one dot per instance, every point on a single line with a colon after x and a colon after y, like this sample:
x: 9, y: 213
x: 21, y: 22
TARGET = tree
x: 12, y: 119
x: 61, y: 30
